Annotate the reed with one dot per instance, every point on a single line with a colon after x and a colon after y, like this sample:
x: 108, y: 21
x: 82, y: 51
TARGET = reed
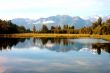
x: 50, y: 35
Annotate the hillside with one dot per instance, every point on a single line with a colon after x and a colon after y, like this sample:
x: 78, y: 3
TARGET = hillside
x: 53, y: 21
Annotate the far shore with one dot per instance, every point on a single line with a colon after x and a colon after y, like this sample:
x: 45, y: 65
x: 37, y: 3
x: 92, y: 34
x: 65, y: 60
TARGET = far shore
x: 52, y: 35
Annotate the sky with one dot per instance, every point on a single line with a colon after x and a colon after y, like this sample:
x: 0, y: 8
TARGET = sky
x: 35, y: 9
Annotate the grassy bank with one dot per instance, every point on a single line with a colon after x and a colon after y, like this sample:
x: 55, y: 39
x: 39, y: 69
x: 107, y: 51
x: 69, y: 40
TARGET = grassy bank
x: 35, y: 35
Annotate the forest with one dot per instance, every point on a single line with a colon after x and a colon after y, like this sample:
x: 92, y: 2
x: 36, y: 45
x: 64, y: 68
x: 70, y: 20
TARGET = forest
x: 98, y: 27
x: 7, y: 27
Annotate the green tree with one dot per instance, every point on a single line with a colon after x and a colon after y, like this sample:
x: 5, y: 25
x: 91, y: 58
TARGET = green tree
x: 7, y: 27
x: 100, y: 21
x: 44, y: 29
x: 34, y: 29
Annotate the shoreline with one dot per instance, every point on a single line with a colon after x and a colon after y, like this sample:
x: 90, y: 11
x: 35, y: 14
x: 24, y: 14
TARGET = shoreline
x: 51, y: 35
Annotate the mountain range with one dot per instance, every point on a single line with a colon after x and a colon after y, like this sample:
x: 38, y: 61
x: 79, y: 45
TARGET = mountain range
x: 58, y: 20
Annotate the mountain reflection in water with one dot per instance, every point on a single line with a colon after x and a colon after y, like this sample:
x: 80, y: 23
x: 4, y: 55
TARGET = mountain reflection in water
x: 58, y: 45
x: 50, y: 55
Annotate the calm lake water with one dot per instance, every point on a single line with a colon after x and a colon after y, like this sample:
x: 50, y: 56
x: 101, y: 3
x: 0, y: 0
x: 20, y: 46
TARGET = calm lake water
x: 54, y: 55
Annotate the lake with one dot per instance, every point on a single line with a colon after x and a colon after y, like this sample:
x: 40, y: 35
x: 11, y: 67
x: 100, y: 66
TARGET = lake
x: 50, y: 55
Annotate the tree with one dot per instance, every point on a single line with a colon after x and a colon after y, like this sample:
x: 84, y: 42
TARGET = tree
x: 72, y: 27
x: 52, y: 27
x: 57, y: 29
x: 100, y: 21
x: 44, y: 29
x: 21, y: 29
x: 7, y: 27
x: 94, y: 25
x: 108, y: 21
x: 34, y: 29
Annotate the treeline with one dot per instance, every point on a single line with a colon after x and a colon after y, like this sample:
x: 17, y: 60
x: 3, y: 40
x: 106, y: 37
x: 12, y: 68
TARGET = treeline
x: 57, y: 29
x: 8, y: 43
x: 7, y: 27
x: 98, y: 27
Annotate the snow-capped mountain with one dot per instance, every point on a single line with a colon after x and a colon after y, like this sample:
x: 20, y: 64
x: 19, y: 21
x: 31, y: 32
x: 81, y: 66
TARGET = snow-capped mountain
x: 27, y: 23
x: 63, y: 20
x: 91, y: 18
x: 57, y: 20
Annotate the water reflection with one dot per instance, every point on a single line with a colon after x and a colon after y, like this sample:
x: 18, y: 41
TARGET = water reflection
x: 8, y: 43
x: 50, y: 55
x: 101, y: 46
x: 56, y: 44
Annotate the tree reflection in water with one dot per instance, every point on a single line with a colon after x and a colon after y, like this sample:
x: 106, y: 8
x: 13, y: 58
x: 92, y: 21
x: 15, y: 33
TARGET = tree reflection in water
x: 101, y: 46
x: 60, y: 45
x: 8, y: 43
x: 70, y: 45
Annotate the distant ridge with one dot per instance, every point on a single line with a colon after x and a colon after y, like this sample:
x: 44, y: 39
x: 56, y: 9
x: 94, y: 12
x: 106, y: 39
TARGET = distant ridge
x: 57, y: 20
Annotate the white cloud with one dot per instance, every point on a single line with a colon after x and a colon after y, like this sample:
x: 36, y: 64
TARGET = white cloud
x: 46, y: 22
x: 42, y: 8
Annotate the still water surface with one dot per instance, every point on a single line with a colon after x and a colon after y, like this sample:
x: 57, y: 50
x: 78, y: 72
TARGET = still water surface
x: 54, y: 55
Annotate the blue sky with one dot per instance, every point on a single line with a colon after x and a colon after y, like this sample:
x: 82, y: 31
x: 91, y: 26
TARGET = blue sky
x: 34, y: 9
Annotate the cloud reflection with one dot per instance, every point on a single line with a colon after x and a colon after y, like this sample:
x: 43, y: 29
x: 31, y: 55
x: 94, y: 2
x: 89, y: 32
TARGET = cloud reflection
x: 40, y: 58
x: 2, y: 61
x: 48, y: 65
